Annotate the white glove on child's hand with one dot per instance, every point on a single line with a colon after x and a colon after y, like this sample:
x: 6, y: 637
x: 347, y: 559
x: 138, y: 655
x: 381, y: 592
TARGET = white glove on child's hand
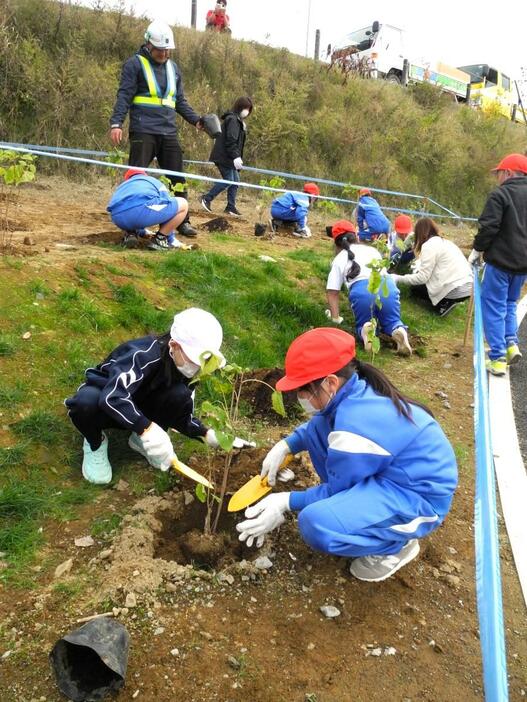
x: 263, y: 517
x: 157, y: 446
x: 212, y: 440
x: 238, y: 163
x: 475, y: 258
x: 274, y: 459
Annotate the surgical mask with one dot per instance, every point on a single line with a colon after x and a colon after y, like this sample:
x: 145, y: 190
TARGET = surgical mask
x: 244, y: 114
x: 188, y: 369
x: 306, y: 405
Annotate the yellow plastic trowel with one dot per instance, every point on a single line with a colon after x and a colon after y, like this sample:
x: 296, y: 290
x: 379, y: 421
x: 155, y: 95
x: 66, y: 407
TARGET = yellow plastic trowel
x: 190, y: 473
x: 253, y: 490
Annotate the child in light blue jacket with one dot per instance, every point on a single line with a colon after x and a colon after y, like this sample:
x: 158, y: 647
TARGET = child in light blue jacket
x: 371, y: 220
x: 387, y: 471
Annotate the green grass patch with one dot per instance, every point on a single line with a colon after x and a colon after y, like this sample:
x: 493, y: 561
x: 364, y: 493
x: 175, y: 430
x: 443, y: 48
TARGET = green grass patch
x: 42, y: 427
x: 25, y: 505
x: 12, y: 455
x: 12, y: 395
x: 7, y: 348
x: 105, y: 525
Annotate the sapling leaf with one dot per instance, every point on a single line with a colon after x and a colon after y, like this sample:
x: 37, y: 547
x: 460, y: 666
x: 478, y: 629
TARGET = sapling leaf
x: 277, y: 401
x: 225, y: 440
x: 201, y: 493
x: 384, y: 287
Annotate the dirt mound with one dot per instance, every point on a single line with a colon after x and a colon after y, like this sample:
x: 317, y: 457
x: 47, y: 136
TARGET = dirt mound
x: 258, y: 395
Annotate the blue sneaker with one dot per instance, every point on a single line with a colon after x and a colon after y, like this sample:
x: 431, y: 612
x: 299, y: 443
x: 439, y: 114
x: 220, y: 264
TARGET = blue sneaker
x: 96, y: 467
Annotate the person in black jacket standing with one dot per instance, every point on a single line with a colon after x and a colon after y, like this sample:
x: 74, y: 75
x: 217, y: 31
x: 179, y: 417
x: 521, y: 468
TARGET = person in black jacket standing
x: 227, y: 154
x: 501, y: 242
x: 151, y: 89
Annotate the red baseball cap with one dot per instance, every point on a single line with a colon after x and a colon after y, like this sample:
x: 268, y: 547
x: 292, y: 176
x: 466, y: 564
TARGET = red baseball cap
x: 343, y: 226
x: 364, y: 191
x: 315, y: 354
x: 512, y: 162
x: 403, y: 224
x: 312, y: 189
x: 133, y: 171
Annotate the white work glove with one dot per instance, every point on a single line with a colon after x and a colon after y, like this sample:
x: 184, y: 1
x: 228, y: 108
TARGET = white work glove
x: 212, y: 440
x: 238, y: 163
x: 396, y: 278
x: 475, y: 258
x: 263, y: 517
x: 157, y: 446
x: 335, y: 320
x: 274, y: 459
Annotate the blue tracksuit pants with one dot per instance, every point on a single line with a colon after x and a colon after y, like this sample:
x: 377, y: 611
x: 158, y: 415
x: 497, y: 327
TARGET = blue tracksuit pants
x: 500, y: 292
x: 373, y: 518
x: 363, y: 306
x: 143, y: 216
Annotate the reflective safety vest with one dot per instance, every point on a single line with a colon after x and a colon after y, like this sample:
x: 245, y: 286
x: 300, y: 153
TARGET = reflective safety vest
x: 154, y: 99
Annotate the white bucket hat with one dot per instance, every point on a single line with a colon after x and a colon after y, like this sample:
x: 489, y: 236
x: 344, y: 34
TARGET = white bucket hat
x: 198, y: 332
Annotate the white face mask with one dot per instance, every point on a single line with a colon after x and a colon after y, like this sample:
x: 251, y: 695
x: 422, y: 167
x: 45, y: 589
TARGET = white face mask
x: 188, y: 369
x: 306, y: 405
x: 244, y: 114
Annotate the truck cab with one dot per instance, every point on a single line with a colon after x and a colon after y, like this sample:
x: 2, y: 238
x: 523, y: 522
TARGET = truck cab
x: 490, y: 89
x: 380, y: 47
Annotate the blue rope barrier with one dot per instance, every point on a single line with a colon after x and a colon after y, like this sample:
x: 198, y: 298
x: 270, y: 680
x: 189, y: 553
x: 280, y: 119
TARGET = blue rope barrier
x: 293, y: 176
x: 56, y: 152
x: 488, y: 578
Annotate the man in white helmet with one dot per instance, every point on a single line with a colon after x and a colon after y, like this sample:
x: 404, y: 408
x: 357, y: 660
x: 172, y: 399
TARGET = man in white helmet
x: 151, y: 90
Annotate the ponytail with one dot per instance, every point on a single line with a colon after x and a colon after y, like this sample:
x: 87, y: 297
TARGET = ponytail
x: 343, y: 242
x: 381, y: 385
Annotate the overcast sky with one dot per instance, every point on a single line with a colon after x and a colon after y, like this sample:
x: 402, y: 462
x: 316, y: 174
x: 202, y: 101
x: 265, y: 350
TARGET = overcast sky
x: 458, y: 32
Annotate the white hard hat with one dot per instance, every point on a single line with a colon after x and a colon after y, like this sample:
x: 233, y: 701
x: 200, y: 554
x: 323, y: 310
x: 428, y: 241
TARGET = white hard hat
x: 160, y: 35
x: 197, y: 332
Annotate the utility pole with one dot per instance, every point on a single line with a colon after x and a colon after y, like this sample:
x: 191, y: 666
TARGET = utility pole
x: 193, y: 13
x: 317, y: 44
x: 308, y: 25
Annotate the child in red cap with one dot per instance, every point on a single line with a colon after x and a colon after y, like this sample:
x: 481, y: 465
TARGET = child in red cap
x: 350, y: 268
x: 401, y: 241
x: 293, y: 207
x: 387, y: 471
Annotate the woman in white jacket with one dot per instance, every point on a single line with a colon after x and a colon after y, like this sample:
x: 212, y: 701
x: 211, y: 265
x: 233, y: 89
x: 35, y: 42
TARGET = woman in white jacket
x: 443, y: 275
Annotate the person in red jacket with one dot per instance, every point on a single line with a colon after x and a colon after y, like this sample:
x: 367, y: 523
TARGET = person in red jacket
x: 217, y: 19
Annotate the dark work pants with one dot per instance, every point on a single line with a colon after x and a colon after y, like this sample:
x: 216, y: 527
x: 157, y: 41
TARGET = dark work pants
x: 421, y: 292
x: 165, y: 148
x: 168, y: 407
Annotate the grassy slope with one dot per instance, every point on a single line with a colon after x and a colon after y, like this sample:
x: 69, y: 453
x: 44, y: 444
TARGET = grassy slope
x: 88, y: 305
x: 306, y: 120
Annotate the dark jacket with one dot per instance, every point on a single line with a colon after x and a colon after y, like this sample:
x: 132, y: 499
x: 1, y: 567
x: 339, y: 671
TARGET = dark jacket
x: 149, y: 119
x: 229, y: 144
x: 134, y: 370
x: 502, y: 233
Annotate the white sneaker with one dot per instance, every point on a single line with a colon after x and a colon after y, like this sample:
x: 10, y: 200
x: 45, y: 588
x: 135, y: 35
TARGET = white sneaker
x: 366, y: 329
x: 134, y: 442
x: 400, y: 336
x: 96, y: 467
x: 373, y: 569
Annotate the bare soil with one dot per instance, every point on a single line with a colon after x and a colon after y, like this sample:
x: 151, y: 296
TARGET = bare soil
x: 231, y: 631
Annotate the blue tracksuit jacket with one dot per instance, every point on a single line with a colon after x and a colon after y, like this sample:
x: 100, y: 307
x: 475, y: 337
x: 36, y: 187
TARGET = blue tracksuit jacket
x: 291, y: 207
x: 139, y: 191
x: 370, y: 217
x: 384, y: 479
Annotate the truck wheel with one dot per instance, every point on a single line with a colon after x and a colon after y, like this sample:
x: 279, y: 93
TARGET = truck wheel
x: 393, y: 78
